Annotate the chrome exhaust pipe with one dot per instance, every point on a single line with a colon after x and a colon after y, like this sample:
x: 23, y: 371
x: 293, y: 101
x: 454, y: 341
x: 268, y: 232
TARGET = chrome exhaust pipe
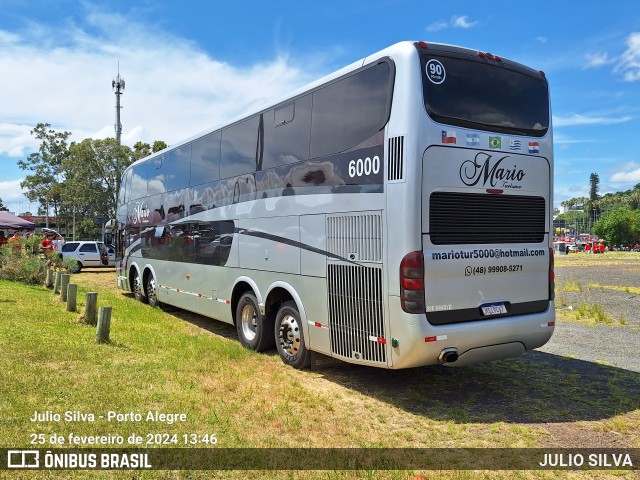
x: 448, y: 355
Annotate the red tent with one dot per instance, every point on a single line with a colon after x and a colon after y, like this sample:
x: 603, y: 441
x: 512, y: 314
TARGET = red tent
x: 11, y: 221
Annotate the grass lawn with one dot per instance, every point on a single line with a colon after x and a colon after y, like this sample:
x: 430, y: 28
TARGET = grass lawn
x: 158, y: 361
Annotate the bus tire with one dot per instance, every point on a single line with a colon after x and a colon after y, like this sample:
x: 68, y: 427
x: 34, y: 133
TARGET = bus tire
x: 152, y: 292
x: 254, y: 330
x: 290, y: 337
x: 137, y: 289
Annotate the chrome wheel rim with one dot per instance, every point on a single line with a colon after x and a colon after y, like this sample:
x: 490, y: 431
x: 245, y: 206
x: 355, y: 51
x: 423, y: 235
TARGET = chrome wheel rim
x: 289, y: 335
x: 249, y: 321
x: 137, y: 287
x: 151, y: 290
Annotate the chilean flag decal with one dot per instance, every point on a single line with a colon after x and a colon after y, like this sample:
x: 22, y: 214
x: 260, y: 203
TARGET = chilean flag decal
x: 448, y: 136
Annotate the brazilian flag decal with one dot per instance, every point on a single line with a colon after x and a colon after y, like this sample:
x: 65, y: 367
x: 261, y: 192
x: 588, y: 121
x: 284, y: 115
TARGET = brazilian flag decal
x: 495, y: 142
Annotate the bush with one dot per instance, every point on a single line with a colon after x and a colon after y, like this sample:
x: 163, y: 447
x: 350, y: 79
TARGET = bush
x: 15, y: 266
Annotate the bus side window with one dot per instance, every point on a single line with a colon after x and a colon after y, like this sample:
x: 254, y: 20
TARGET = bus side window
x: 287, y: 133
x: 205, y: 160
x: 156, y: 181
x: 138, y: 183
x: 176, y: 167
x: 349, y: 111
x: 238, y: 148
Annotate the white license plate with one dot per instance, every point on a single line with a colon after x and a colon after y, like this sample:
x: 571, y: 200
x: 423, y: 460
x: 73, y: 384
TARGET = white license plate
x: 494, y: 309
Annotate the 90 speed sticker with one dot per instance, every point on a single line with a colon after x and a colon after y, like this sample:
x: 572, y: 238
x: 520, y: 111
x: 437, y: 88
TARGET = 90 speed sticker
x: 435, y: 71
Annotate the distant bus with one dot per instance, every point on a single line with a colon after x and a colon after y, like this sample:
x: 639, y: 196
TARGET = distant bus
x: 395, y: 213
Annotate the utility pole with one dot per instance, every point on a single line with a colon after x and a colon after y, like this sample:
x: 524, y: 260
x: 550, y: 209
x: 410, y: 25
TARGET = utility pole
x: 118, y: 87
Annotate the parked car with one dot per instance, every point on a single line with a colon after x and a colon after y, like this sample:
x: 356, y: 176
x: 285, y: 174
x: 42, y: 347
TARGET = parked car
x: 88, y: 254
x: 572, y: 249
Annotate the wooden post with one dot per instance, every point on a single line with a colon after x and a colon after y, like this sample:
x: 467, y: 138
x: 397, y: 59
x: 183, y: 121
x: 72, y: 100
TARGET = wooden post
x: 64, y: 284
x: 104, y: 325
x: 56, y: 285
x: 91, y: 310
x: 48, y: 281
x: 72, y: 295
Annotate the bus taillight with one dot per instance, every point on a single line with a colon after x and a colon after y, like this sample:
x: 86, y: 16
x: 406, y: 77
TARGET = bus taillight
x: 412, y: 283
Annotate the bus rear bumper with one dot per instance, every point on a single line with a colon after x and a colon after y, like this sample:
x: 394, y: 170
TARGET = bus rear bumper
x: 488, y: 353
x: 420, y: 344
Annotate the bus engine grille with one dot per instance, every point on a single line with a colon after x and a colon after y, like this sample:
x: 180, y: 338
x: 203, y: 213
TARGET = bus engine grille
x: 355, y: 237
x: 465, y: 218
x: 355, y: 312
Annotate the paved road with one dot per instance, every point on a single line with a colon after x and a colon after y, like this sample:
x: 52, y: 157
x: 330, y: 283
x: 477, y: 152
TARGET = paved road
x: 615, y: 346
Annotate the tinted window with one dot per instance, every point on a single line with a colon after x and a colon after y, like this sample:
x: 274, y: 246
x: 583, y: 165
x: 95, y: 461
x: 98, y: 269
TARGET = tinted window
x: 122, y: 193
x: 205, y: 159
x: 238, y: 148
x: 147, y: 179
x: 205, y: 242
x: 287, y: 133
x: 486, y: 96
x: 176, y: 167
x: 69, y: 247
x: 88, y: 247
x: 351, y: 110
x: 138, y: 184
x: 156, y: 181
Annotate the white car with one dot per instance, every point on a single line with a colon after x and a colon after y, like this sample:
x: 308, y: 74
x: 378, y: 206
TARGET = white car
x: 88, y: 254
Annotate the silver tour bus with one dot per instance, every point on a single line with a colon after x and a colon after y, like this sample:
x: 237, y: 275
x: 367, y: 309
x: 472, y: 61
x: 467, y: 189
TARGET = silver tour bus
x: 395, y: 213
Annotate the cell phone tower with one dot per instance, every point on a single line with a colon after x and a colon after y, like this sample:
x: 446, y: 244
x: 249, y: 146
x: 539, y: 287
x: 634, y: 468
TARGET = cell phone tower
x: 118, y: 87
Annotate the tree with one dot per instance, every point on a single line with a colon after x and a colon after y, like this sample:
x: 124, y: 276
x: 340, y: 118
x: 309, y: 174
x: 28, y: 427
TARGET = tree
x: 44, y: 184
x: 594, y: 182
x: 2, y: 207
x: 621, y: 226
x: 141, y: 150
x: 80, y: 181
x: 97, y: 164
x: 93, y: 174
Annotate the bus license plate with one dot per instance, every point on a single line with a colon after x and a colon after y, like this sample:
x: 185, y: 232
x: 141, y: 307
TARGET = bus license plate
x: 494, y: 309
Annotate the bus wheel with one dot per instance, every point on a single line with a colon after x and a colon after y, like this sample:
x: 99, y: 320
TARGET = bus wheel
x: 254, y: 330
x: 152, y: 294
x: 137, y: 289
x: 290, y: 338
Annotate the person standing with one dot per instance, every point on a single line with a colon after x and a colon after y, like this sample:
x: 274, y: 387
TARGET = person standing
x: 47, y: 244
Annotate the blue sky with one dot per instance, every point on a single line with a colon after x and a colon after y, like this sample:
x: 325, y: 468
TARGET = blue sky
x: 192, y: 64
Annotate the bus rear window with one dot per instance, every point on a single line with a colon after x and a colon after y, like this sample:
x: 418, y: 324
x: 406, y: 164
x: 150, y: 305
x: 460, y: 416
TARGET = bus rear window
x: 487, y: 96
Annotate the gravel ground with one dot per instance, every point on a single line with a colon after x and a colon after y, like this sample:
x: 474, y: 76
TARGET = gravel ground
x: 616, y: 344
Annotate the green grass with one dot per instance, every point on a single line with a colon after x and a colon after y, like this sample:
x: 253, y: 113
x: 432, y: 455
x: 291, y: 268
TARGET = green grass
x: 159, y: 361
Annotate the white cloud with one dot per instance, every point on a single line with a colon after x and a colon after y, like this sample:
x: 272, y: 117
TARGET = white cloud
x: 174, y: 89
x: 457, y: 21
x: 562, y: 193
x: 595, y: 60
x: 629, y: 61
x: 12, y: 197
x: 573, y: 119
x: 10, y: 191
x: 437, y: 26
x: 628, y: 174
x: 462, y: 21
